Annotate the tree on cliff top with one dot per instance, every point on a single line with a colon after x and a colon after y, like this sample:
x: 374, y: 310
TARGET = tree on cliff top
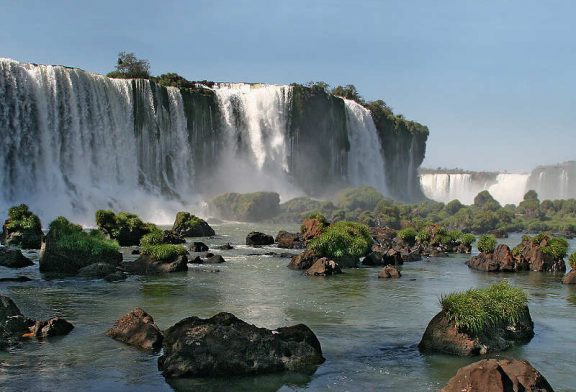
x: 129, y: 66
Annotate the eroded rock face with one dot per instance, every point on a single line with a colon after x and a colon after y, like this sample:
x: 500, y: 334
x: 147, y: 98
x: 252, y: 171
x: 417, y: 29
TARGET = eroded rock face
x: 188, y: 225
x: 502, y: 260
x: 569, y: 278
x: 137, y: 328
x: 443, y: 336
x: 303, y: 261
x: 226, y: 346
x: 13, y: 258
x: 288, y: 240
x: 389, y: 272
x: 146, y: 265
x: 498, y: 375
x: 323, y: 267
x: 380, y: 256
x: 312, y: 228
x: 539, y: 261
x: 256, y: 238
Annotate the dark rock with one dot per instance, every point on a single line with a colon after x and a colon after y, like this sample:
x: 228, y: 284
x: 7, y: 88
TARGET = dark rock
x: 323, y: 267
x: 259, y: 239
x: 188, y: 225
x: 290, y: 240
x: 138, y: 329
x: 502, y: 260
x: 410, y: 256
x: 303, y: 261
x: 135, y: 252
x: 197, y: 260
x: 382, y: 257
x: 226, y: 246
x: 8, y: 309
x: 498, y: 233
x: 16, y: 279
x: 116, y: 276
x: 389, y: 272
x: 569, y: 278
x: 97, y: 270
x: 199, y: 247
x: 227, y: 346
x: 498, y: 375
x: 13, y: 258
x: 443, y: 336
x: 171, y: 237
x: 214, y: 259
x: 56, y: 326
x: 22, y: 228
x: 146, y: 265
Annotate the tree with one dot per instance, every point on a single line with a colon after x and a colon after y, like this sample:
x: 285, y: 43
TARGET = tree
x: 129, y: 66
x: 349, y: 92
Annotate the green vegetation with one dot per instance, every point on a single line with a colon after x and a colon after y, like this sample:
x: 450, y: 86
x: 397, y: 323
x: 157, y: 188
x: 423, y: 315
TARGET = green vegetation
x: 487, y: 243
x: 124, y: 227
x: 155, y: 237
x: 364, y: 198
x: 467, y: 239
x: 20, y: 218
x: 557, y: 247
x: 251, y: 207
x: 69, y: 237
x: 408, y: 235
x: 163, y: 252
x: 572, y: 261
x: 129, y: 66
x: 477, y: 311
x: 343, y: 240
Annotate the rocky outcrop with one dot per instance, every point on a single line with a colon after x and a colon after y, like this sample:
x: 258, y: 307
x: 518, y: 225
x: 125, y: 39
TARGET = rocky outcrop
x: 312, y: 228
x: 13, y: 258
x: 498, y: 375
x: 137, y: 328
x: 124, y: 227
x: 22, y: 228
x: 569, y: 278
x: 539, y: 261
x: 389, y: 272
x: 303, y: 261
x: 288, y: 240
x: 323, y: 267
x: 147, y: 265
x: 380, y: 256
x: 245, y: 207
x: 442, y: 335
x: 256, y: 238
x: 188, y: 225
x: 225, y: 246
x: 502, y: 260
x: 224, y: 345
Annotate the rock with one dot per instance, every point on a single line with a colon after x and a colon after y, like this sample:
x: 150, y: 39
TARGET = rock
x: 7, y: 309
x: 569, y: 278
x: 245, y: 207
x: 443, y: 336
x: 256, y: 238
x: 382, y: 257
x: 539, y: 261
x: 312, y: 228
x: 97, y: 270
x: 384, y: 236
x: 13, y: 258
x: 199, y: 247
x: 171, y: 237
x: 188, y: 225
x: 214, y: 259
x: 22, y: 228
x: 290, y: 240
x: 323, y: 267
x: 411, y: 256
x: 135, y: 252
x: 303, y: 261
x: 501, y: 260
x: 389, y: 272
x: 138, y: 329
x: 226, y: 246
x: 56, y: 326
x: 146, y: 265
x: 16, y: 279
x: 498, y: 233
x: 116, y: 276
x: 498, y: 375
x: 227, y: 346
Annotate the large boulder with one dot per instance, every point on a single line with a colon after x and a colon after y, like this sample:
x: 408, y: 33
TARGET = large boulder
x: 290, y: 240
x: 536, y: 255
x: 13, y: 258
x: 245, y: 207
x: 188, y: 225
x: 97, y: 270
x: 323, y: 267
x: 501, y: 260
x: 148, y: 265
x: 255, y: 238
x: 380, y: 256
x: 498, y: 375
x: 199, y: 247
x: 304, y: 260
x: 137, y: 328
x: 224, y: 345
x: 22, y: 228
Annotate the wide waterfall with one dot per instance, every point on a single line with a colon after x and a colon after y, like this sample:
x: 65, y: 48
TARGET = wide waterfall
x: 73, y: 142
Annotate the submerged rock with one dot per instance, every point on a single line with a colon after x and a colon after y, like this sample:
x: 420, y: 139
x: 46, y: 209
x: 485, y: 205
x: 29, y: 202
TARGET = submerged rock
x: 323, y: 267
x: 227, y: 346
x: 13, y: 258
x: 137, y: 328
x: 389, y: 272
x: 256, y: 238
x: 209, y: 259
x: 199, y: 247
x: 97, y: 270
x: 226, y: 246
x: 147, y: 265
x: 16, y: 279
x: 188, y: 225
x: 498, y: 375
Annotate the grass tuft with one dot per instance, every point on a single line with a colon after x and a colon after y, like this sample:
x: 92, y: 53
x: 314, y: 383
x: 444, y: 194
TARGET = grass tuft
x: 163, y: 252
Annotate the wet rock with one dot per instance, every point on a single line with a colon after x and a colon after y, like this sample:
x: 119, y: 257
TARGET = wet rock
x: 380, y: 256
x: 498, y: 375
x: 199, y: 247
x: 97, y: 270
x: 137, y: 328
x: 410, y: 256
x: 8, y: 309
x: 226, y: 246
x: 290, y: 240
x: 389, y: 272
x: 55, y: 326
x: 16, y: 279
x: 227, y: 346
x: 116, y: 276
x: 323, y: 267
x: 569, y: 278
x: 13, y: 258
x: 256, y: 238
x: 171, y: 237
x: 303, y: 261
x: 214, y: 259
x: 135, y: 252
x: 501, y: 260
x: 146, y: 265
x: 539, y: 261
x: 188, y: 225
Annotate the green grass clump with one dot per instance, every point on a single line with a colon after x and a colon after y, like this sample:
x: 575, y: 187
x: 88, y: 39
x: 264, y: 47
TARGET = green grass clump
x: 70, y: 237
x: 20, y: 218
x: 114, y: 224
x: 408, y: 235
x: 343, y: 239
x: 572, y: 261
x: 487, y: 243
x: 476, y: 311
x: 163, y: 252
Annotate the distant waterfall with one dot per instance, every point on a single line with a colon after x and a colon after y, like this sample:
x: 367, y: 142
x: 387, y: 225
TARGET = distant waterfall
x: 554, y: 181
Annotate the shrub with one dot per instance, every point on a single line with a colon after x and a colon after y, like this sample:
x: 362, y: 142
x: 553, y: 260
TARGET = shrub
x: 487, y: 243
x: 572, y: 261
x: 71, y: 238
x: 467, y: 239
x: 155, y: 237
x: 21, y: 218
x: 408, y: 235
x: 363, y: 198
x: 163, y: 252
x: 343, y: 239
x: 476, y: 311
x: 557, y: 247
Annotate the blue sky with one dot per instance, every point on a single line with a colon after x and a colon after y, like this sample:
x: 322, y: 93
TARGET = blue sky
x: 494, y: 80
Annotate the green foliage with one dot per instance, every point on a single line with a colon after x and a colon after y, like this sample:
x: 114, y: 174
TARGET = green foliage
x: 453, y: 207
x: 572, y: 261
x: 557, y: 247
x: 116, y: 224
x: 531, y: 195
x: 246, y: 207
x: 349, y: 92
x: 408, y: 235
x: 363, y: 198
x: 155, y: 237
x: 20, y: 218
x: 70, y: 237
x: 343, y: 239
x: 172, y: 79
x: 485, y: 201
x: 163, y: 252
x: 319, y: 87
x: 129, y: 66
x: 467, y: 239
x: 487, y: 243
x: 477, y: 311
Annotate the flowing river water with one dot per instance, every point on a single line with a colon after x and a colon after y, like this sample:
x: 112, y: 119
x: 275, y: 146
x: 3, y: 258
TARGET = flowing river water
x: 369, y: 328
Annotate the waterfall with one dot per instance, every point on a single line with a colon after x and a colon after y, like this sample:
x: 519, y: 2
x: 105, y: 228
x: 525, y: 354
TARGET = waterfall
x: 509, y: 188
x: 554, y: 181
x: 365, y: 158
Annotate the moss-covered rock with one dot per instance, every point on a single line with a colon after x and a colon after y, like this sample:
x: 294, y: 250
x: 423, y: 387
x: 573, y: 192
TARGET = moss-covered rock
x: 22, y: 228
x: 344, y: 242
x: 124, y: 227
x: 68, y: 248
x: 246, y: 207
x: 188, y: 225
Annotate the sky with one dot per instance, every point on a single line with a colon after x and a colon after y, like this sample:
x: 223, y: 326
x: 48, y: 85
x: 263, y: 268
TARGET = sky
x: 495, y: 80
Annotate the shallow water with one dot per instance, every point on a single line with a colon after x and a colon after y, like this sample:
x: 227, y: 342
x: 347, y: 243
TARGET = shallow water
x: 369, y: 328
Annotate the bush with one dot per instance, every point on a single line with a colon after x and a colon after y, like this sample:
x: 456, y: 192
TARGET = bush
x: 572, y: 261
x: 557, y: 247
x: 70, y: 237
x: 20, y: 218
x: 476, y: 311
x: 342, y: 240
x: 487, y: 243
x: 363, y: 198
x: 467, y: 239
x: 163, y: 252
x: 155, y: 237
x: 408, y: 235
